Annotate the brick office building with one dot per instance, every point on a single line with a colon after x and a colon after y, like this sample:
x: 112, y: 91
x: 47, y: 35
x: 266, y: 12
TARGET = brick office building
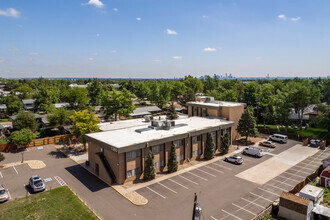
x: 118, y: 155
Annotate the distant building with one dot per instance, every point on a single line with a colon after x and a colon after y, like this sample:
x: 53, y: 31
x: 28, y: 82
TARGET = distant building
x: 140, y: 112
x: 3, y: 108
x: 29, y: 104
x: 325, y: 178
x: 62, y: 105
x: 79, y: 86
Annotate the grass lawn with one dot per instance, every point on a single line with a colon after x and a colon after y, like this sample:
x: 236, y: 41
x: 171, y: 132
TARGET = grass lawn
x: 319, y: 133
x: 59, y: 203
x: 5, y: 119
x: 3, y: 141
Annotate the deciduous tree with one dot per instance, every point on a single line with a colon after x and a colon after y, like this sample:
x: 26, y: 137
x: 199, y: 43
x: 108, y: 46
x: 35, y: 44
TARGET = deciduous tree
x: 59, y: 117
x: 247, y: 125
x: 22, y: 138
x: 26, y: 120
x: 95, y: 92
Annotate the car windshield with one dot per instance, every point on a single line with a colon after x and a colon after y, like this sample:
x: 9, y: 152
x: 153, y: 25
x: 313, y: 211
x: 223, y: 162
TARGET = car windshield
x: 2, y: 191
x: 37, y: 182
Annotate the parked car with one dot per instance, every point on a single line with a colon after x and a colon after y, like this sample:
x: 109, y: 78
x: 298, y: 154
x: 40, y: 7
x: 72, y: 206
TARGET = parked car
x: 279, y: 138
x: 36, y: 183
x: 314, y: 143
x: 253, y: 151
x: 234, y: 159
x: 267, y: 144
x: 4, y: 196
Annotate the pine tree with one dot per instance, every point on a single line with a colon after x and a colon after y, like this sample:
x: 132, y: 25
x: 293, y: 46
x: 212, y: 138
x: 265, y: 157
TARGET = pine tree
x: 209, y: 148
x: 149, y: 167
x: 247, y: 125
x: 171, y: 112
x: 172, y: 160
x: 225, y: 143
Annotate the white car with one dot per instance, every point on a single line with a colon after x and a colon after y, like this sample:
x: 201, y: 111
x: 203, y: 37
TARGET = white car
x: 3, y: 194
x: 234, y: 159
x: 279, y: 138
x: 253, y: 151
x: 36, y: 183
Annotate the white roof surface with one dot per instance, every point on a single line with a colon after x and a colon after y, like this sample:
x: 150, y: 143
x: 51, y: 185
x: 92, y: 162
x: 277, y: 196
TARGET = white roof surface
x: 311, y: 192
x: 217, y: 103
x: 129, y: 136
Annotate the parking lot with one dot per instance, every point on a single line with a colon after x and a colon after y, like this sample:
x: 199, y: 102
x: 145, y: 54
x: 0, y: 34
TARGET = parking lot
x: 223, y: 195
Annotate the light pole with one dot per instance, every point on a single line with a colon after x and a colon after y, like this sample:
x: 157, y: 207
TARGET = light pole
x: 22, y: 158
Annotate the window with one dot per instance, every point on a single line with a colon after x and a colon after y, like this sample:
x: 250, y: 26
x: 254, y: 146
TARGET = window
x: 180, y: 157
x: 159, y: 164
x: 213, y: 134
x: 178, y: 143
x: 157, y: 149
x: 196, y: 138
x: 133, y: 154
x: 133, y: 172
x: 196, y: 153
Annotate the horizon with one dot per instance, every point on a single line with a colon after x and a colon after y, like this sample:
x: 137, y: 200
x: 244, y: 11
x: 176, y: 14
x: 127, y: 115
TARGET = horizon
x: 172, y: 39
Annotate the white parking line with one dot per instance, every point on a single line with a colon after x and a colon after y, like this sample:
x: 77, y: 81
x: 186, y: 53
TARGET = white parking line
x: 15, y: 169
x: 253, y: 203
x: 315, y: 162
x: 167, y: 188
x: 188, y: 179
x: 214, y: 169
x: 156, y: 192
x: 197, y: 176
x: 267, y: 191
x: 213, y: 218
x: 306, y: 168
x: 206, y: 172
x: 243, y: 209
x: 60, y: 181
x: 178, y: 183
x: 1, y: 174
x: 261, y: 197
x: 281, y: 182
x: 230, y: 214
x: 288, y: 178
x: 221, y: 166
x: 299, y: 171
x: 267, y: 184
x: 294, y: 174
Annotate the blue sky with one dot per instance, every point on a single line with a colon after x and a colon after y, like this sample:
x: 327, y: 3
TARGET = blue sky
x: 164, y: 39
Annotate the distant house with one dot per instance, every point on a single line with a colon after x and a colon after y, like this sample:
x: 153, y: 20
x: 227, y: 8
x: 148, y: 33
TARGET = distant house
x: 28, y: 104
x: 41, y: 119
x: 3, y: 108
x: 325, y: 178
x: 76, y: 85
x: 326, y: 162
x: 294, y: 207
x: 62, y: 105
x: 143, y: 111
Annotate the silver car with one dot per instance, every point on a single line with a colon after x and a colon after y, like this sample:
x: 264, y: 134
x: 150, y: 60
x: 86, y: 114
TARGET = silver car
x: 36, y: 183
x: 3, y: 194
x: 267, y: 144
x: 234, y: 159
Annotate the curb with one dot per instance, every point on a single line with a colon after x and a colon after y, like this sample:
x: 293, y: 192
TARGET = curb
x: 109, y: 184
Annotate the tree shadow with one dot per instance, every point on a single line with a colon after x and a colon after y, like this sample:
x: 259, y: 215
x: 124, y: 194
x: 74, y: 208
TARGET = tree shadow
x: 58, y: 154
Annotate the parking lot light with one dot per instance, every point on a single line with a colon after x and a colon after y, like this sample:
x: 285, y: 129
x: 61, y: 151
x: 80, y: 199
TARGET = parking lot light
x: 22, y: 158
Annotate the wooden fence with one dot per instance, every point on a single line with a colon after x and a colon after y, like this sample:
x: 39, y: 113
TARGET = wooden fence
x: 39, y: 142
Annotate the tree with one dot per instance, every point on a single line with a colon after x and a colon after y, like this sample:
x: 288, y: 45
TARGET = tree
x: 251, y: 93
x: 142, y: 90
x: 209, y: 148
x: 192, y: 82
x: 2, y: 157
x: 160, y: 93
x: 178, y: 88
x: 188, y: 96
x: 26, y: 120
x: 247, y: 125
x: 324, y: 119
x: 22, y: 138
x: 25, y: 91
x: 171, y: 112
x: 45, y: 96
x: 149, y: 172
x: 265, y: 101
x: 13, y: 103
x: 301, y: 93
x: 95, y: 92
x: 117, y: 103
x: 225, y: 143
x: 59, y: 117
x: 76, y: 97
x: 84, y: 123
x: 172, y: 164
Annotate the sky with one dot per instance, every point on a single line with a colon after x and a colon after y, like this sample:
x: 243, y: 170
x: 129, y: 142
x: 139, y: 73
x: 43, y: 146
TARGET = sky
x: 164, y: 38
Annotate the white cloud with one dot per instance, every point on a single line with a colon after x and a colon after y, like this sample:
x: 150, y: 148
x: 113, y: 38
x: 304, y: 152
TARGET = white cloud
x: 10, y: 12
x: 139, y: 19
x: 156, y: 61
x: 283, y: 17
x: 13, y: 49
x: 171, y: 32
x: 33, y: 54
x: 90, y: 58
x: 115, y: 9
x: 114, y: 51
x: 177, y: 57
x: 205, y: 16
x: 296, y: 19
x: 97, y: 35
x: 209, y: 49
x: 258, y: 58
x: 96, y: 3
x: 2, y: 60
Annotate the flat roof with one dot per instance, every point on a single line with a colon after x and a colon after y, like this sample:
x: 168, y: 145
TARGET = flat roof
x: 311, y: 192
x: 138, y: 136
x: 217, y: 103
